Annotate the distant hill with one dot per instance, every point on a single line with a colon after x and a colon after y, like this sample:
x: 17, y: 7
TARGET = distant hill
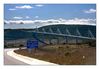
x: 11, y: 34
x: 83, y: 29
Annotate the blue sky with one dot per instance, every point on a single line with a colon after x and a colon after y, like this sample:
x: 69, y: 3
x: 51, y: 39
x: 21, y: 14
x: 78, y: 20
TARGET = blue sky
x: 49, y: 11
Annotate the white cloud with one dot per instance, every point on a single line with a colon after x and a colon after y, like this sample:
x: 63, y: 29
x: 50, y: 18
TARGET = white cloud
x: 36, y: 17
x: 75, y: 21
x: 39, y: 23
x: 21, y: 7
x: 39, y: 5
x: 17, y: 17
x: 24, y: 7
x: 90, y: 11
x: 12, y: 9
x: 27, y: 17
x: 18, y: 21
x: 82, y: 21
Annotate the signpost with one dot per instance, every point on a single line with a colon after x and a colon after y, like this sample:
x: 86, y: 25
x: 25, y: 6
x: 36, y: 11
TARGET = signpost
x: 32, y: 44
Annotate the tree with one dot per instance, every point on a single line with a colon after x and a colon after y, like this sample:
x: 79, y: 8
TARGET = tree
x: 20, y: 46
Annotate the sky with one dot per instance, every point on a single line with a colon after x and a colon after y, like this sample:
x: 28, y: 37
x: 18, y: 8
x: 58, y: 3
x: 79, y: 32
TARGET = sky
x: 75, y: 13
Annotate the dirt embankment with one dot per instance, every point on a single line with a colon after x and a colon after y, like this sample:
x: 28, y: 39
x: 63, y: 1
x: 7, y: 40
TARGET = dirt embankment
x: 63, y: 55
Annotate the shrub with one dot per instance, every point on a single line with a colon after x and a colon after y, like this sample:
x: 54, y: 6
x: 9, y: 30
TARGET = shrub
x: 92, y: 43
x: 60, y: 47
x: 21, y: 45
x: 67, y: 53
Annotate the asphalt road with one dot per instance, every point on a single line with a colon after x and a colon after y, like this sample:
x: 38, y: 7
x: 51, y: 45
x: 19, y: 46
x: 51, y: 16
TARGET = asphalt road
x: 8, y: 60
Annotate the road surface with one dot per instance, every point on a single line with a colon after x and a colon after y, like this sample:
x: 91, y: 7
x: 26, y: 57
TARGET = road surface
x: 8, y: 60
